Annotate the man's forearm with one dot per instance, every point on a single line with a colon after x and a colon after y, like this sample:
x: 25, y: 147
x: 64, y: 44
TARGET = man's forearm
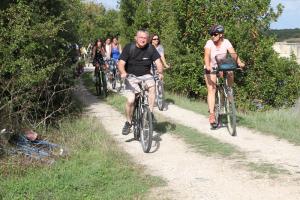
x: 121, y: 67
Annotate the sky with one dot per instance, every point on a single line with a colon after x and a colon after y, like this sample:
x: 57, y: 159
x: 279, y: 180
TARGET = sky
x: 290, y: 17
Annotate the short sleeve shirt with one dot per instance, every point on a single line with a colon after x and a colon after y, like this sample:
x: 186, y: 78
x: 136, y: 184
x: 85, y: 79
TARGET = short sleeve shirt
x: 217, y: 51
x: 139, y: 63
x: 160, y: 49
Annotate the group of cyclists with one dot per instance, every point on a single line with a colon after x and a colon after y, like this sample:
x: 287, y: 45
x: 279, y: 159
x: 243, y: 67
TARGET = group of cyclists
x: 137, y: 59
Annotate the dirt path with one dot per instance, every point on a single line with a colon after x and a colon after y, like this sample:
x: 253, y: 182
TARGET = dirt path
x: 190, y: 175
x: 258, y: 147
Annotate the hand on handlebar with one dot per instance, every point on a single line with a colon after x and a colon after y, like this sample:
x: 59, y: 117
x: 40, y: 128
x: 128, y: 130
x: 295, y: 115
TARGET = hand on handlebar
x: 161, y: 76
x: 241, y: 64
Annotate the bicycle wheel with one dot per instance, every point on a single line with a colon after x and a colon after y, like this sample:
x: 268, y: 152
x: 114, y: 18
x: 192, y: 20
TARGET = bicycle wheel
x: 159, y: 94
x: 104, y: 83
x: 136, y: 122
x: 218, y: 109
x: 146, y: 129
x: 97, y: 85
x: 114, y: 81
x: 230, y: 113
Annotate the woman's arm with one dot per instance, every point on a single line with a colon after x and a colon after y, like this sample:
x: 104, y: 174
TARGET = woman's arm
x: 163, y: 59
x: 102, y: 52
x: 235, y: 56
x: 207, y: 59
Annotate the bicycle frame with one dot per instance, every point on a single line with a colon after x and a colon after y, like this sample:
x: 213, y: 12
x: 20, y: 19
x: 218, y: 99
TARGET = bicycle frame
x: 142, y: 118
x: 224, y: 104
x: 101, y: 82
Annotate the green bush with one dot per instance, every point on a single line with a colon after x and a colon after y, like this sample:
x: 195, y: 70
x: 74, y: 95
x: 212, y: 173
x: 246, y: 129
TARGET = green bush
x: 36, y: 82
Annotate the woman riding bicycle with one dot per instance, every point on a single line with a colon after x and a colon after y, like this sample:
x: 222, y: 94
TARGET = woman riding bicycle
x: 215, y: 46
x: 97, y: 55
x: 116, y: 49
x: 155, y: 41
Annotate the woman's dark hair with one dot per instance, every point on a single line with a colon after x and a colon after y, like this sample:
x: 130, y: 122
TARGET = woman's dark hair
x: 98, y: 40
x: 152, y: 36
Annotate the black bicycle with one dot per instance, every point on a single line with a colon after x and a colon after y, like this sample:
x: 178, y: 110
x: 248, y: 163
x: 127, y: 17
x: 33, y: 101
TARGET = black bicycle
x: 159, y: 89
x: 100, y: 82
x: 142, y: 119
x: 224, y: 104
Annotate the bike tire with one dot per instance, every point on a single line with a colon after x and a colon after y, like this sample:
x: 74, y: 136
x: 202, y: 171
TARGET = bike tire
x: 230, y: 114
x: 160, y: 95
x: 114, y: 83
x: 218, y: 109
x: 146, y: 132
x: 136, y: 122
x: 97, y: 85
x: 104, y: 84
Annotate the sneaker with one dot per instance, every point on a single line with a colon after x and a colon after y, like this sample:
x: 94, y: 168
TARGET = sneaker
x: 212, y: 118
x: 126, y: 128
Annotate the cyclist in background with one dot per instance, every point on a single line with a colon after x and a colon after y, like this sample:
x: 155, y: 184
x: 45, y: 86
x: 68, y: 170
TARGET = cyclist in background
x: 116, y: 49
x: 137, y: 59
x: 98, y: 54
x: 215, y: 46
x: 107, y: 48
x: 155, y: 41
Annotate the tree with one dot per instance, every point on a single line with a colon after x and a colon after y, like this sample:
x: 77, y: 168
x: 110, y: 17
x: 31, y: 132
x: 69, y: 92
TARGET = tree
x: 36, y: 82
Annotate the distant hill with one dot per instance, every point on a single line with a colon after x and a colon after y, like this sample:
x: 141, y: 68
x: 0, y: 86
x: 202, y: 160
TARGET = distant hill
x: 289, y: 35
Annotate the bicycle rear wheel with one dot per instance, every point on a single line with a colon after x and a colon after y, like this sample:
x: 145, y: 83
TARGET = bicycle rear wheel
x: 159, y: 94
x: 230, y: 113
x: 146, y: 132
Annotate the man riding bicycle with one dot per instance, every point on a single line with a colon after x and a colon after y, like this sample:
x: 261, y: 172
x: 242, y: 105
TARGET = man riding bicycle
x: 137, y: 59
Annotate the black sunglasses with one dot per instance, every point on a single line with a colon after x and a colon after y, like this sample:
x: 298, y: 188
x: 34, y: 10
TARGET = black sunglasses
x: 215, y: 34
x: 155, y: 39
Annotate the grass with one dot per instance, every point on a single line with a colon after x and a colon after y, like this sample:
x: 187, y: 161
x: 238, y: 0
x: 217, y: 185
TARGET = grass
x: 282, y: 123
x: 198, y: 141
x: 189, y: 104
x: 268, y: 169
x: 95, y: 169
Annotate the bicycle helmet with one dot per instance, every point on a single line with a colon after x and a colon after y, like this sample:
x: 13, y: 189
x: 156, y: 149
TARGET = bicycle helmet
x: 216, y: 29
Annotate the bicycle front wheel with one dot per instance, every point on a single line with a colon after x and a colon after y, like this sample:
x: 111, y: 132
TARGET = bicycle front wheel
x: 231, y: 114
x: 104, y: 83
x: 97, y: 85
x: 160, y: 95
x: 146, y: 132
x: 114, y: 83
x: 136, y: 121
